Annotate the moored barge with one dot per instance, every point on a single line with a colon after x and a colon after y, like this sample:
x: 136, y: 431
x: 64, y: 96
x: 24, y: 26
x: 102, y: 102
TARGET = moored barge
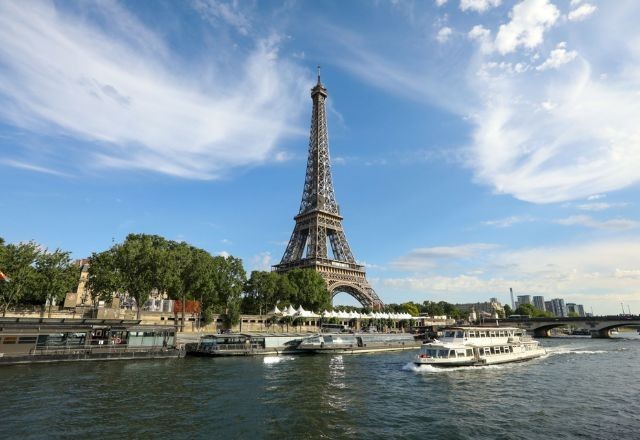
x: 38, y: 340
x: 353, y: 343
x: 245, y: 344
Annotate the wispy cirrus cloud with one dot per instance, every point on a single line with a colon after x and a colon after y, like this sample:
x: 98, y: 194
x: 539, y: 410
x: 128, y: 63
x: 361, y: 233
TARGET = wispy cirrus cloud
x: 600, y: 206
x: 551, y: 135
x: 619, y: 224
x: 552, y: 114
x: 507, y: 222
x: 430, y: 257
x: 33, y: 167
x: 120, y: 92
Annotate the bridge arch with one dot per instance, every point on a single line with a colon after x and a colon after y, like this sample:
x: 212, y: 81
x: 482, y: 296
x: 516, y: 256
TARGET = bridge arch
x: 600, y: 327
x: 365, y: 296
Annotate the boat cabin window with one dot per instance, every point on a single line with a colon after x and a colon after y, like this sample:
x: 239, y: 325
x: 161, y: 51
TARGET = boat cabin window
x: 469, y: 352
x: 452, y: 353
x: 459, y: 334
x: 443, y: 353
x: 483, y: 334
x: 487, y: 350
x: 492, y: 334
x: 460, y: 353
x: 501, y: 333
x: 449, y: 334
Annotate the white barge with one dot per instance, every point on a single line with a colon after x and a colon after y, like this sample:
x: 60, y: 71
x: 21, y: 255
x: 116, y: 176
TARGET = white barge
x: 477, y: 346
x: 352, y: 343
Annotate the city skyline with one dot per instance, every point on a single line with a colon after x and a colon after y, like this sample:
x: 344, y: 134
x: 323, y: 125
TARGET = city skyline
x: 476, y: 145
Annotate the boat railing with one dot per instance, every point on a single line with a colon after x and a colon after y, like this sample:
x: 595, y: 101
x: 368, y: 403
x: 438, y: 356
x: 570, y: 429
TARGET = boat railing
x: 80, y: 349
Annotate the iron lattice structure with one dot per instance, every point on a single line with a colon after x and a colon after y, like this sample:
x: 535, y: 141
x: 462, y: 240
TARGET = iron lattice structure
x: 319, y: 220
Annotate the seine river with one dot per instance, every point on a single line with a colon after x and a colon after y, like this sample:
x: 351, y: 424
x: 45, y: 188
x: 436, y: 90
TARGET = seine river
x: 584, y: 388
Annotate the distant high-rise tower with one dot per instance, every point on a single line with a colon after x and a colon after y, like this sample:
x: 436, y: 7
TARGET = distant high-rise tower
x: 523, y: 299
x: 513, y: 303
x: 319, y: 220
x: 538, y: 303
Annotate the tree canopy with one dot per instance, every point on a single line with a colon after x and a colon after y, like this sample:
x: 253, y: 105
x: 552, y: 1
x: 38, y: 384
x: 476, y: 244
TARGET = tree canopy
x: 298, y: 287
x: 35, y: 275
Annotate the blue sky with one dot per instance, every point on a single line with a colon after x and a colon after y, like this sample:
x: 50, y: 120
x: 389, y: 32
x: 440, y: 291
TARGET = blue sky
x: 477, y: 145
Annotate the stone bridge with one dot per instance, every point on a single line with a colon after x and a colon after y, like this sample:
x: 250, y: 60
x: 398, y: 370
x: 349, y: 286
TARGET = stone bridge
x: 600, y: 326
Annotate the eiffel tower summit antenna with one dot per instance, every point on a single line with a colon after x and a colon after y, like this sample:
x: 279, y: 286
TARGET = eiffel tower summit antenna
x: 318, y: 225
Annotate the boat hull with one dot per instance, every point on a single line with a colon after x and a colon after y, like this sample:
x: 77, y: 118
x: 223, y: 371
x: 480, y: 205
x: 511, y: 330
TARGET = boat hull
x: 484, y: 361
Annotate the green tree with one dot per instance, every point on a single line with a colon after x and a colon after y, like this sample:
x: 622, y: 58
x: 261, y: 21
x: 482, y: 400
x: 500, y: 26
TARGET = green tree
x: 507, y: 310
x: 285, y: 291
x: 17, y: 263
x: 228, y: 283
x: 55, y: 276
x: 410, y: 308
x: 260, y: 292
x: 103, y: 280
x: 139, y: 261
x: 432, y: 308
x: 531, y: 310
x: 310, y: 289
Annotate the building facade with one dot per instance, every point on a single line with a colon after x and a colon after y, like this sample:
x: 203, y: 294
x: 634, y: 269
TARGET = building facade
x: 538, y: 303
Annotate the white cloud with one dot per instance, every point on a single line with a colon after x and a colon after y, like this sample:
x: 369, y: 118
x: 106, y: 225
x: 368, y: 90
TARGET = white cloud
x: 598, y: 274
x: 423, y: 258
x: 627, y: 273
x: 479, y: 5
x: 224, y: 254
x: 582, y: 12
x: 440, y: 2
x: 508, y: 221
x: 215, y: 11
x: 444, y: 34
x: 596, y: 196
x: 600, y: 206
x: 583, y: 140
x: 32, y: 167
x: 558, y: 57
x: 529, y: 20
x: 261, y: 261
x: 483, y: 36
x: 619, y: 224
x: 122, y: 93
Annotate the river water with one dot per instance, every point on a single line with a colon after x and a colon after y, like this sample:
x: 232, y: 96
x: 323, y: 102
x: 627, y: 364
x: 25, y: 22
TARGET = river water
x: 584, y: 388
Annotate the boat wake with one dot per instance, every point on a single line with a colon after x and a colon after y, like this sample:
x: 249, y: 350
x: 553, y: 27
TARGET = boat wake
x: 564, y: 350
x: 430, y: 369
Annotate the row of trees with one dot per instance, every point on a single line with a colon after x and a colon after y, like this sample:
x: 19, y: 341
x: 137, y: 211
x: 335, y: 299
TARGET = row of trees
x: 303, y: 287
x: 146, y: 264
x: 34, y: 275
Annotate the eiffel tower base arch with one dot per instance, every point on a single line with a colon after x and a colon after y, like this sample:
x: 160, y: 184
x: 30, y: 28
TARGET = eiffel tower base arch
x: 364, y: 294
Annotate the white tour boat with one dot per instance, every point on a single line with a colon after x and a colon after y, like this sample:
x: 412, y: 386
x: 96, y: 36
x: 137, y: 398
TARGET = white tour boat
x: 476, y: 346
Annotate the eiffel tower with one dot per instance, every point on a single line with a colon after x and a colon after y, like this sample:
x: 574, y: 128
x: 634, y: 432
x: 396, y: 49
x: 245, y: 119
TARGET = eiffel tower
x: 319, y: 220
